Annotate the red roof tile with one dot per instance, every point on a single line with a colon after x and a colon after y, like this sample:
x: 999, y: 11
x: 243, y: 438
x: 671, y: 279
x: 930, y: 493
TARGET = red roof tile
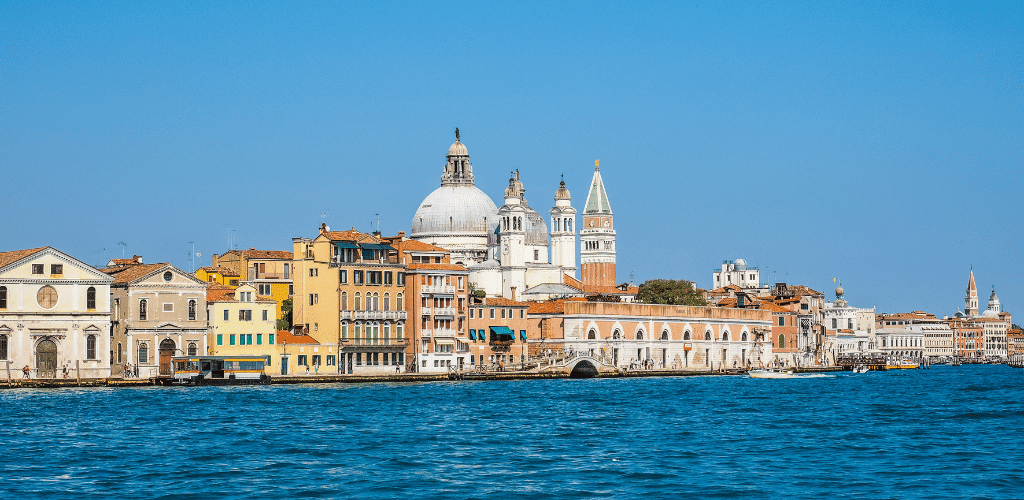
x: 16, y: 255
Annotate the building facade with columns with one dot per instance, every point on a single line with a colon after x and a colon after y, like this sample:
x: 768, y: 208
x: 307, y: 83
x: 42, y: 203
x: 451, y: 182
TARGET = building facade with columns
x: 54, y: 314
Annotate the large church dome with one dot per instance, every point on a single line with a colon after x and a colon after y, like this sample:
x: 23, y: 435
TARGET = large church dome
x: 457, y: 216
x: 455, y: 209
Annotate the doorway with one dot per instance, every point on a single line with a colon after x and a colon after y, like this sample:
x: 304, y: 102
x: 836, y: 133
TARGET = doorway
x: 46, y: 359
x: 167, y: 348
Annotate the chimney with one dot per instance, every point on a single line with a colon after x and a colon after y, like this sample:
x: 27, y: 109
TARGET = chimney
x: 513, y: 293
x: 401, y: 234
x: 323, y: 227
x: 739, y: 300
x: 252, y: 248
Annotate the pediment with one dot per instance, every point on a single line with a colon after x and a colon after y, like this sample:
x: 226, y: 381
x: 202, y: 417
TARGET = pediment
x: 92, y: 328
x: 168, y: 326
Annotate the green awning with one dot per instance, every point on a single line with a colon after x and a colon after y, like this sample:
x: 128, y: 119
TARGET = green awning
x: 503, y: 330
x: 345, y: 244
x: 522, y: 335
x: 374, y: 246
x: 472, y: 335
x: 481, y: 335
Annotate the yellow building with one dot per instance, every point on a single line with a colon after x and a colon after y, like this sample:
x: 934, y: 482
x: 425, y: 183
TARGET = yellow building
x: 240, y: 324
x: 270, y: 271
x: 221, y: 275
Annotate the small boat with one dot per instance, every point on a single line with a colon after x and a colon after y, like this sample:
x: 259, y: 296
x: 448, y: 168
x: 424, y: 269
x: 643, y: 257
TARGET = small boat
x: 905, y: 364
x: 771, y: 373
x: 860, y: 369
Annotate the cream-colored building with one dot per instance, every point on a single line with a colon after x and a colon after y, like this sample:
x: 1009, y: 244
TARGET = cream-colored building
x: 54, y: 315
x: 240, y: 323
x: 158, y: 312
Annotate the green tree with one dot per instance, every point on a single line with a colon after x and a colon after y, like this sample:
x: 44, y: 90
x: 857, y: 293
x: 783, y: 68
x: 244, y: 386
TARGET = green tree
x: 673, y: 292
x: 285, y: 323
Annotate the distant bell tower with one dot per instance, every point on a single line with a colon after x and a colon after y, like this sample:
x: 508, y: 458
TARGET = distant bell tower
x: 597, y: 237
x: 512, y: 237
x: 971, y: 301
x: 563, y: 232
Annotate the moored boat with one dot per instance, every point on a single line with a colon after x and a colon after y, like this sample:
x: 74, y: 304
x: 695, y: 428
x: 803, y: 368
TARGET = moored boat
x: 904, y: 364
x: 771, y: 373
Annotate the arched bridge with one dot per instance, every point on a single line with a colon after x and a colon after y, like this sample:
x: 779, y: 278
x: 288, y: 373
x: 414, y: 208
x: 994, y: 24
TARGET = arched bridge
x: 580, y: 365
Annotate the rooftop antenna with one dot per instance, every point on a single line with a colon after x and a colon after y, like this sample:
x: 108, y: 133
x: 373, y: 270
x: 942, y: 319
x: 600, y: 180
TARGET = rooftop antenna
x: 378, y: 222
x: 123, y: 246
x: 192, y: 258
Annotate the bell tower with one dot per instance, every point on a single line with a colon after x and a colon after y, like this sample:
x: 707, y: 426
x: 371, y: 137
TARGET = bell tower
x: 563, y: 232
x: 971, y: 300
x: 597, y: 236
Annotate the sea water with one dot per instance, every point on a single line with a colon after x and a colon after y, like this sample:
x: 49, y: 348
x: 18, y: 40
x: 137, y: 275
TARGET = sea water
x: 947, y: 432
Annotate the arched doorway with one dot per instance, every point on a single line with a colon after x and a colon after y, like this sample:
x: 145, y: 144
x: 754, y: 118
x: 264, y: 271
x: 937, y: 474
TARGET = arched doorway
x: 167, y: 347
x: 46, y: 359
x: 583, y: 369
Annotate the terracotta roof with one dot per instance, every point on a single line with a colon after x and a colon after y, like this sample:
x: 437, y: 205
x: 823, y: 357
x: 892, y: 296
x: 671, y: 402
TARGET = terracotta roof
x: 16, y: 255
x: 218, y: 292
x: 350, y: 235
x: 124, y: 262
x: 418, y: 246
x: 284, y: 336
x: 223, y: 271
x: 131, y: 273
x: 802, y: 290
x: 610, y: 290
x: 449, y: 267
x: 553, y: 307
x: 573, y: 282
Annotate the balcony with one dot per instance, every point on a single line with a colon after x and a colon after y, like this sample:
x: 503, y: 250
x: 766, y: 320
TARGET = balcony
x: 350, y: 343
x: 439, y: 333
x: 437, y: 289
x: 444, y: 311
x: 374, y: 315
x: 256, y: 275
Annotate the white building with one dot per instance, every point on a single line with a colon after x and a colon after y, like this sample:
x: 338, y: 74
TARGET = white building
x: 54, y: 315
x: 848, y: 330
x: 736, y: 272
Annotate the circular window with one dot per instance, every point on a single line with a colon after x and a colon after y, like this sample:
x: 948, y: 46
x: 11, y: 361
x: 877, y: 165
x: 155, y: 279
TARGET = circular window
x: 168, y: 276
x: 47, y: 297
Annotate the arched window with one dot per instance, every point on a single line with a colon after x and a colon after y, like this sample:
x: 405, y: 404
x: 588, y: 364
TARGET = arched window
x: 664, y: 335
x: 119, y: 352
x: 358, y: 335
x: 707, y: 335
x: 143, y: 309
x: 616, y: 334
x: 358, y: 302
x: 192, y: 310
x: 376, y: 302
x: 344, y: 301
x: 639, y: 334
x: 743, y: 336
x: 387, y: 301
x: 192, y: 349
x: 90, y: 299
x: 725, y: 336
x: 90, y: 347
x: 592, y: 335
x: 782, y: 341
x: 399, y: 305
x: 344, y: 330
x: 3, y: 346
x: 399, y: 331
x: 143, y: 353
x: 387, y: 332
x: 686, y: 335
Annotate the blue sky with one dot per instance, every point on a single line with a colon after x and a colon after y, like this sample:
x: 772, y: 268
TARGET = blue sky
x: 880, y: 143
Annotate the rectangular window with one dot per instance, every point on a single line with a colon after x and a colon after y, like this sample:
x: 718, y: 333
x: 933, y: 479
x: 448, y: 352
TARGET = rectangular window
x: 225, y: 315
x: 270, y: 339
x: 357, y: 277
x: 522, y: 314
x: 492, y: 313
x: 168, y: 307
x: 56, y: 268
x: 359, y: 359
x: 388, y: 278
x: 401, y: 279
x: 264, y: 315
x: 781, y: 320
x: 470, y: 313
x: 502, y: 314
x: 834, y: 326
x: 264, y: 289
x: 220, y: 339
x: 330, y: 360
x: 37, y: 269
x: 231, y: 339
x: 248, y: 339
x: 343, y: 277
x: 259, y: 339
x: 536, y: 254
x: 302, y: 360
x: 291, y: 290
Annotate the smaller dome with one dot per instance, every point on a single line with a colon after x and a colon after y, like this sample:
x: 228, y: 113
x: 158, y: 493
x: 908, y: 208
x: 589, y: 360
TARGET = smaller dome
x: 741, y: 265
x: 562, y: 193
x: 458, y: 149
x: 839, y: 291
x: 989, y: 314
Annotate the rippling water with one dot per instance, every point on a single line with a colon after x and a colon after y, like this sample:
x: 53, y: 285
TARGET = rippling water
x: 940, y: 433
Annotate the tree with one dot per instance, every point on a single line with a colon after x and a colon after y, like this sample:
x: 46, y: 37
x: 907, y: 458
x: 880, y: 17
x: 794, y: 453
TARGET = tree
x: 285, y: 323
x: 672, y: 292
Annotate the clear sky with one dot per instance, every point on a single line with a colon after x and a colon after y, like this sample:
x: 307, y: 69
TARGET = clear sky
x: 880, y: 143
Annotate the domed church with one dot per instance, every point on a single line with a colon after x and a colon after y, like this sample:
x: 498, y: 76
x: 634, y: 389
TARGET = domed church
x: 509, y: 251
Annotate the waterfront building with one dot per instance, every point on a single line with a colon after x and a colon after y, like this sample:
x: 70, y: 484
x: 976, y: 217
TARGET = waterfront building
x: 902, y: 343
x: 630, y: 335
x: 991, y: 325
x: 157, y: 311
x: 499, y: 333
x: 350, y: 289
x: 848, y: 330
x: 241, y: 322
x: 737, y: 274
x: 968, y: 338
x: 937, y: 338
x: 54, y: 315
x: 220, y: 275
x: 1015, y: 342
x: 270, y: 271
